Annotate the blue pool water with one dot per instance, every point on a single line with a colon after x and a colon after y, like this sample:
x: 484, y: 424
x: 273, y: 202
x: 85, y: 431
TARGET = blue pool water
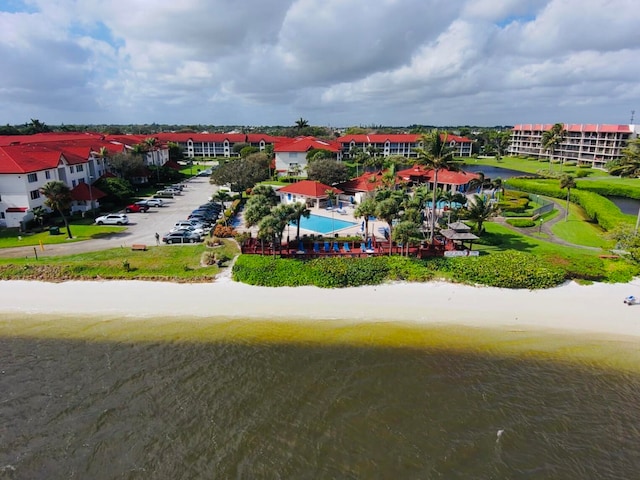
x: 319, y: 224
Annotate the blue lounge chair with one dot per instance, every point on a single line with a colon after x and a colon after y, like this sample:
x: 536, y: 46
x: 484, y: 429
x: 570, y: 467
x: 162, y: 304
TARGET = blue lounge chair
x: 336, y: 247
x: 362, y: 247
x: 301, y: 247
x: 327, y: 247
x: 346, y: 247
x: 316, y: 247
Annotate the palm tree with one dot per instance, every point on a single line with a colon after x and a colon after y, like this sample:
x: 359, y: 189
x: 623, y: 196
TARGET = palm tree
x: 222, y: 197
x: 480, y: 210
x: 299, y: 210
x: 58, y: 197
x: 38, y: 215
x: 406, y: 231
x: 331, y: 196
x: 388, y: 210
x: 552, y: 138
x: 567, y: 182
x: 629, y: 164
x: 478, y: 182
x: 435, y: 154
x: 365, y: 209
x: 268, y: 229
x: 301, y: 123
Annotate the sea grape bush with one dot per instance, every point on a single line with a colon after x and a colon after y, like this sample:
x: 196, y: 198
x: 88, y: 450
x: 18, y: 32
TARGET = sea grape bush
x: 509, y: 269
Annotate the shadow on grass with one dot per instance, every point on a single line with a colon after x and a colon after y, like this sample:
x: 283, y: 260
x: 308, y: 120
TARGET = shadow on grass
x: 506, y: 241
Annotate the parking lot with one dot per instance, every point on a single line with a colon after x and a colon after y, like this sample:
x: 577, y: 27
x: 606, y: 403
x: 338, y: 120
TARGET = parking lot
x: 142, y: 227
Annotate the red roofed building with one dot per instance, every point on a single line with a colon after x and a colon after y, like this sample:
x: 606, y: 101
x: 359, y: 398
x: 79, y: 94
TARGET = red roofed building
x: 401, y: 144
x: 291, y: 154
x: 86, y: 197
x: 589, y: 144
x: 311, y: 192
x: 448, y: 180
x: 362, y: 187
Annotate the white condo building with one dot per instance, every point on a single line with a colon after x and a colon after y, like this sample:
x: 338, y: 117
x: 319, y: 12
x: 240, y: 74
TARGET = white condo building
x: 593, y: 144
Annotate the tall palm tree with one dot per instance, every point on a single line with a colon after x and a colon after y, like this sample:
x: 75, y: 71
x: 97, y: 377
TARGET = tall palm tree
x: 567, y: 182
x: 388, y: 210
x: 552, y: 138
x: 301, y: 123
x: 365, y: 209
x: 405, y: 231
x: 58, y: 197
x: 480, y: 210
x: 299, y: 210
x: 436, y: 154
x: 331, y: 196
x: 269, y: 229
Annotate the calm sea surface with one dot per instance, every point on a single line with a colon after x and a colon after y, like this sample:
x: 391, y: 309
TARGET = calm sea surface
x: 125, y: 399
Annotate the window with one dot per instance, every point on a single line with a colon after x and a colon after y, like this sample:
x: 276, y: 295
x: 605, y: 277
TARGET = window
x: 32, y: 177
x: 74, y: 183
x: 71, y: 169
x: 34, y: 194
x: 47, y: 174
x: 1, y: 214
x: 79, y: 168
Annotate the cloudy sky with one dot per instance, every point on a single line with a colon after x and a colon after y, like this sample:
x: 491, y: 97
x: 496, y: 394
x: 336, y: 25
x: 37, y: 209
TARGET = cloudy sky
x: 331, y: 62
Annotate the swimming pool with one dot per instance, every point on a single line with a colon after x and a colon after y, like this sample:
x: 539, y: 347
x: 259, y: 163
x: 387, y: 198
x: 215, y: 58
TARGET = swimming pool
x: 319, y: 224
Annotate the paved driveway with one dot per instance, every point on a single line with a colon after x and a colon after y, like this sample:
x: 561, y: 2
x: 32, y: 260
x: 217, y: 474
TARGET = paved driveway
x: 142, y: 227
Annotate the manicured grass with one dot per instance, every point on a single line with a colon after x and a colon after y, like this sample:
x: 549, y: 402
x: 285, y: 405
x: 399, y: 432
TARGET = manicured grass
x: 579, y: 230
x: 12, y: 238
x: 532, y: 166
x: 180, y: 263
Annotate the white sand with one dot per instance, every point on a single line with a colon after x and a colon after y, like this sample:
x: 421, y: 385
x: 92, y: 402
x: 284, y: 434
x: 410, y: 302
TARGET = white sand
x: 597, y: 308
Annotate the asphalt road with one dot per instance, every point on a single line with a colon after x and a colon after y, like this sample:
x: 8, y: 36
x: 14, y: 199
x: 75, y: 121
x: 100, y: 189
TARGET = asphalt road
x: 141, y: 229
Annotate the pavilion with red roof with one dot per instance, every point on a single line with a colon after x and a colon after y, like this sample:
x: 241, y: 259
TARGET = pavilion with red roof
x: 311, y: 192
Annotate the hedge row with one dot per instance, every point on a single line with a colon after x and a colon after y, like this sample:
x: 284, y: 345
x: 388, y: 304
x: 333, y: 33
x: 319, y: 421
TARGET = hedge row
x: 509, y: 269
x: 597, y: 208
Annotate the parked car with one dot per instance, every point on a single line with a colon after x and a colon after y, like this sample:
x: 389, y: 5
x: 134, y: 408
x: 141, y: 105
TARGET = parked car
x: 136, y: 208
x: 175, y: 191
x: 178, y: 186
x: 181, y: 237
x: 113, y: 219
x: 151, y: 202
x: 205, y: 173
x: 192, y: 223
x: 163, y: 194
x: 195, y: 230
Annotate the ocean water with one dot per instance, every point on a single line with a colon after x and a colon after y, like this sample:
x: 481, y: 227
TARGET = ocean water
x: 129, y: 398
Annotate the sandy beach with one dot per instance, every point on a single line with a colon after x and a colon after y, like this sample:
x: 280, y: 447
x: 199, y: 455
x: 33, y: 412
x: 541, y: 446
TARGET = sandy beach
x: 596, y: 308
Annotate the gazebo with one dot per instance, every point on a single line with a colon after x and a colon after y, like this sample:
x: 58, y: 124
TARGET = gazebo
x: 457, y: 233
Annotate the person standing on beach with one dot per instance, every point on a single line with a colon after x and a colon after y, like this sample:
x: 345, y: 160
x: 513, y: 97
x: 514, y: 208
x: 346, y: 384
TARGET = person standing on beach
x: 157, y: 239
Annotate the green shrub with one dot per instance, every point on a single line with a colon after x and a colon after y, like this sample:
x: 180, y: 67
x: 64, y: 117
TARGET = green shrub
x: 582, y: 173
x: 570, y: 163
x: 521, y: 222
x: 509, y: 269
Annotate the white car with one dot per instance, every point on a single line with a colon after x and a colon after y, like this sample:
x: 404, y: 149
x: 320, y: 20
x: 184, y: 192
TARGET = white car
x: 113, y: 219
x: 151, y: 202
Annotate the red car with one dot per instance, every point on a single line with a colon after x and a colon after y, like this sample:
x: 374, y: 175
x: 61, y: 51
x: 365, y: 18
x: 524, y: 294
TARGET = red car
x: 134, y: 208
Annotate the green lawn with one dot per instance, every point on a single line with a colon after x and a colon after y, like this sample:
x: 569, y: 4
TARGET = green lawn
x: 12, y: 238
x: 177, y: 263
x: 579, y: 230
x: 532, y: 166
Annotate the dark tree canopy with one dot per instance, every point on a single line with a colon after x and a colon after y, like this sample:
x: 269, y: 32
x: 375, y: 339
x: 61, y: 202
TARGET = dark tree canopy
x: 242, y: 173
x: 126, y: 165
x: 328, y: 171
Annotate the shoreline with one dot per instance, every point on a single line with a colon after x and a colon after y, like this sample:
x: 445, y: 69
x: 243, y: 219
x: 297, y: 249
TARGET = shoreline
x: 570, y: 308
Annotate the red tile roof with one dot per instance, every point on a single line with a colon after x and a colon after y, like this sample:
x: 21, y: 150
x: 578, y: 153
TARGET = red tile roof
x: 589, y: 127
x: 367, y: 182
x: 412, y: 138
x: 448, y: 177
x: 304, y: 144
x: 183, y: 137
x: 81, y: 192
x: 309, y: 188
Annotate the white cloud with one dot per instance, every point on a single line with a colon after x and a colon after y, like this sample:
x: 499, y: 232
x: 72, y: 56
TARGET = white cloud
x: 332, y: 61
